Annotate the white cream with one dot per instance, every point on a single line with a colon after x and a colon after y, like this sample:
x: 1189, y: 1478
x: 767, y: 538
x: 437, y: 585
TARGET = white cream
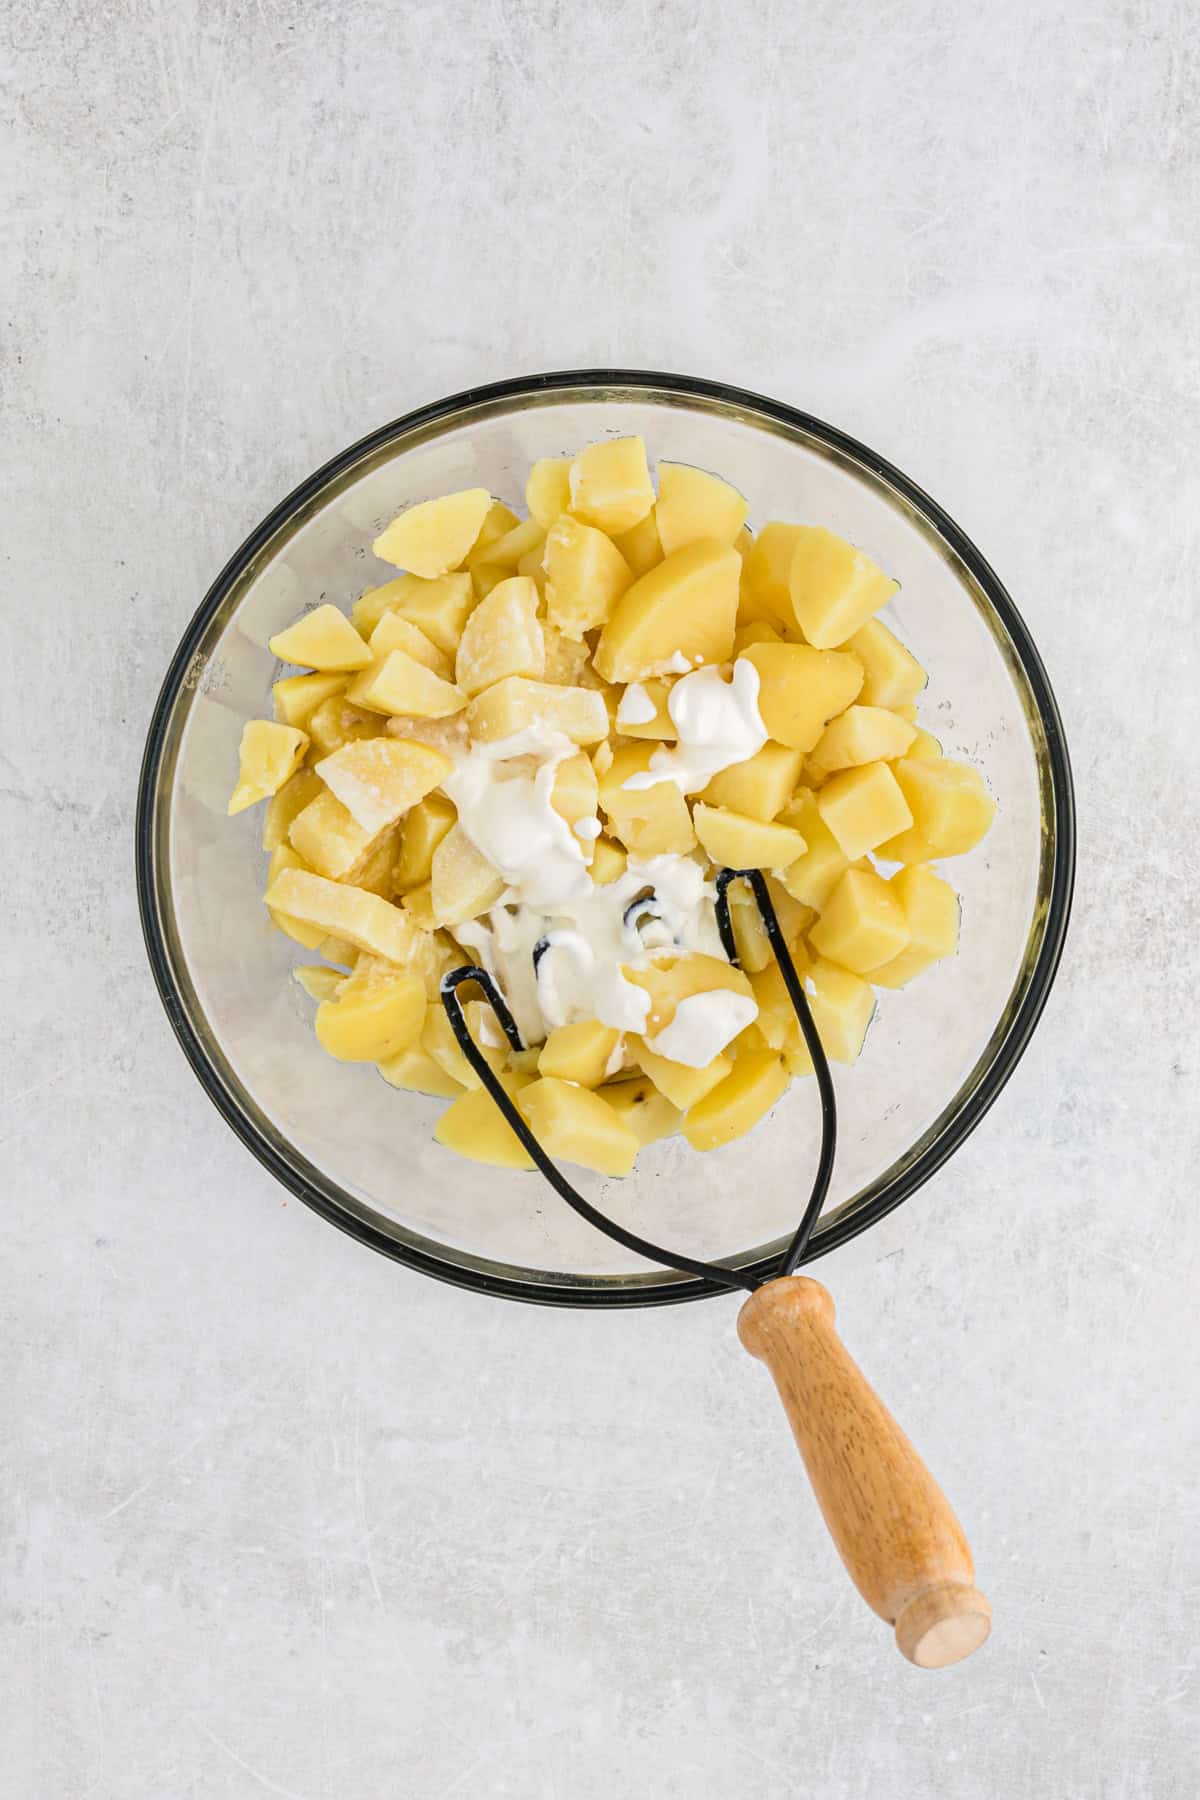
x: 702, y: 1026
x: 718, y: 723
x: 636, y: 707
x: 502, y: 792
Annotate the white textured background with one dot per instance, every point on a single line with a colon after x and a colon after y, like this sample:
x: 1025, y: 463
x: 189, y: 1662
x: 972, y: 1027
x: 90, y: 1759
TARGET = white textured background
x: 279, y: 1518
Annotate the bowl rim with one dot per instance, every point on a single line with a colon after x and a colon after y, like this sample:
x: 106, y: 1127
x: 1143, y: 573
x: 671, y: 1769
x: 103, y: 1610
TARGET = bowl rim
x: 635, y: 1290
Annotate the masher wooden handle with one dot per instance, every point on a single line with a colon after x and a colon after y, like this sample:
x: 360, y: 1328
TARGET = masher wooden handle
x: 893, y: 1526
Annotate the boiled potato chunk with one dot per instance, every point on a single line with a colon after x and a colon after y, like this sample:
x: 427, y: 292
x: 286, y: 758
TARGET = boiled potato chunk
x: 440, y: 607
x: 676, y: 976
x: 418, y: 904
x: 548, y: 489
x: 864, y: 807
x: 464, y: 882
x: 931, y: 913
x: 761, y: 786
x: 371, y: 1022
x: 862, y: 734
x: 834, y: 588
x: 579, y: 1052
x: 379, y: 779
x: 577, y: 1125
x: 323, y: 639
x: 329, y: 839
x: 777, y: 1020
x: 415, y: 1070
x: 923, y: 746
x: 502, y: 637
x: 566, y: 658
x: 310, y: 936
x: 506, y: 552
x: 693, y: 504
x: 296, y: 696
x: 397, y: 683
x: 749, y: 933
x: 842, y: 1005
x: 498, y: 521
x: 585, y: 576
x: 395, y: 632
x: 424, y: 829
x: 318, y: 981
x: 892, y: 676
x: 364, y: 920
x: 765, y: 591
x: 435, y: 536
x: 801, y: 689
x: 608, y: 861
x: 649, y: 821
x: 685, y: 608
x: 442, y: 1046
x: 682, y: 1086
x: 641, y: 545
x: 950, y: 806
x: 375, y: 875
x: 758, y: 631
x: 813, y: 876
x: 296, y: 793
x: 269, y: 755
x: 336, y: 722
x: 642, y: 712
x: 610, y: 484
x: 648, y: 1114
x: 575, y: 796
x: 474, y: 1127
x: 862, y: 925
x: 736, y: 842
x: 516, y: 703
x: 756, y: 1081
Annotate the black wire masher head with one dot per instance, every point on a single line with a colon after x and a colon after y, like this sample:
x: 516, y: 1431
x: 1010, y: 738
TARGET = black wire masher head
x: 794, y: 1255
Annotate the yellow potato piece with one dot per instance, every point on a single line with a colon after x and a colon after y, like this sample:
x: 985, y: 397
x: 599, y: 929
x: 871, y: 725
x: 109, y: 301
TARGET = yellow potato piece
x: 575, y: 796
x: 310, y: 936
x: 318, y: 981
x: 369, y: 1023
x: 424, y: 829
x: 950, y: 806
x: 268, y: 756
x: 675, y: 1081
x: 379, y: 779
x: 661, y: 727
x: 638, y: 1104
x: 749, y: 933
x: 548, y: 489
x: 440, y: 1044
x: 566, y: 658
x: 395, y: 632
x: 415, y: 1070
x: 473, y: 1126
x: 610, y: 484
x: 516, y: 702
x: 758, y: 631
x: 577, y: 1125
x: 579, y: 1052
x: 487, y: 575
x: 585, y: 576
x: 363, y: 919
x: 931, y: 913
x: 863, y: 808
x: 418, y: 904
x: 768, y: 562
x: 736, y: 842
x: 641, y: 545
x: 502, y: 637
x: 693, y: 504
x: 435, y: 536
x: 297, y: 792
x: 842, y: 1005
x: 756, y: 1081
x: 397, y: 683
x: 863, y: 925
x: 813, y: 876
x: 777, y: 1020
x: 924, y: 746
x: 323, y: 639
x: 892, y: 676
x: 761, y: 786
x: 801, y: 689
x: 336, y: 722
x: 498, y: 521
x: 834, y: 588
x: 506, y: 552
x: 464, y: 883
x: 862, y: 734
x: 675, y: 976
x: 439, y: 607
x: 651, y: 821
x: 329, y: 839
x: 685, y: 608
x: 376, y: 873
x: 337, y: 950
x: 296, y: 696
x: 608, y: 861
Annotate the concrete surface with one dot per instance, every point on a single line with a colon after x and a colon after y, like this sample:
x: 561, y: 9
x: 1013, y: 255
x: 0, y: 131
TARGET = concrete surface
x: 281, y: 1519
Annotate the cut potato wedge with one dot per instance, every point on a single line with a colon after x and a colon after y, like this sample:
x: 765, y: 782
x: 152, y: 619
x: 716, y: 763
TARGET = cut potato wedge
x: 363, y: 919
x: 379, y: 779
x: 728, y: 1111
x: 693, y: 504
x: 473, y: 1126
x: 268, y: 756
x: 323, y: 639
x: 735, y: 842
x: 679, y: 615
x: 502, y: 637
x: 801, y: 689
x: 863, y: 924
x: 610, y: 484
x: 434, y: 537
x: 834, y: 589
x: 585, y: 576
x: 516, y: 703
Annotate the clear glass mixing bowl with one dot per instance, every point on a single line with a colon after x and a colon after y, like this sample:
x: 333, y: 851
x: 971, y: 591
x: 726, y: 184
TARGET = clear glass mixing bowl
x: 361, y: 1153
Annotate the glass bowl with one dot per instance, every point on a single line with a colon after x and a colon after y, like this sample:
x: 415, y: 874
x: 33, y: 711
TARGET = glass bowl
x: 361, y: 1153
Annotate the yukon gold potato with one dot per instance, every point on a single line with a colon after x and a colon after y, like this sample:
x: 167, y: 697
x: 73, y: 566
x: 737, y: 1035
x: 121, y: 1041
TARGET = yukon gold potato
x: 506, y: 552
x: 318, y: 980
x: 336, y: 722
x: 693, y: 504
x: 923, y: 746
x: 397, y: 683
x: 813, y: 876
x: 651, y: 821
x: 834, y: 589
x: 464, y: 883
x: 575, y: 796
x: 516, y: 703
x: 642, y: 711
x: 310, y: 936
x: 579, y: 1052
x: 638, y: 1104
x: 749, y: 933
x: 424, y: 828
x: 842, y: 1005
x: 729, y: 1110
x: 681, y: 1085
x: 585, y: 576
x: 435, y: 536
x: 608, y: 861
x: 862, y: 734
x: 498, y: 521
x: 950, y: 806
x: 548, y: 489
x: 296, y: 696
x: 576, y: 1125
x: 610, y: 484
x: 268, y: 756
x: 931, y: 913
x: 329, y: 839
x: 295, y: 794
x: 864, y: 807
x: 768, y: 563
x: 761, y: 786
x: 684, y: 610
x: 442, y: 1046
x: 566, y: 658
x: 641, y: 545
x: 862, y: 925
x: 379, y: 779
x: 733, y: 841
x: 395, y: 632
x: 892, y: 676
x: 371, y: 1021
x: 675, y: 976
x: 439, y: 607
x: 364, y: 920
x: 777, y: 1021
x: 801, y: 689
x: 758, y: 631
x: 473, y: 1126
x: 502, y: 637
x: 415, y: 1070
x: 323, y: 639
